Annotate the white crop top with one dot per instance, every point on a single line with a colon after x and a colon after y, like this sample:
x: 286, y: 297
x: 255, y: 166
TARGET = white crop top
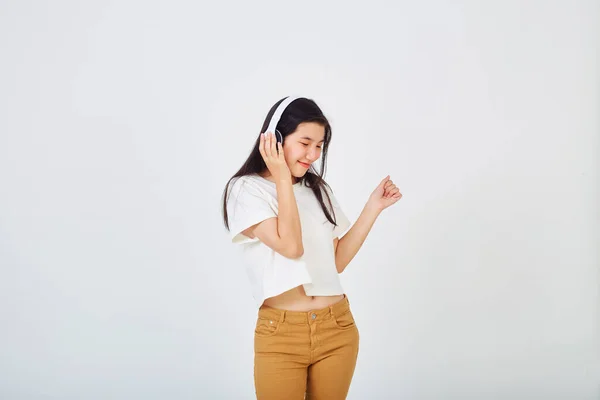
x: 253, y: 199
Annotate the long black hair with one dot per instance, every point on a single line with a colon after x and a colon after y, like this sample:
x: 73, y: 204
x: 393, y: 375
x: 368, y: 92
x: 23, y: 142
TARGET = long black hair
x: 298, y: 111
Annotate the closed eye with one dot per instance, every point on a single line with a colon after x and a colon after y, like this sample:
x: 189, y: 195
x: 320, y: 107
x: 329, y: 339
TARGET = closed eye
x: 306, y: 144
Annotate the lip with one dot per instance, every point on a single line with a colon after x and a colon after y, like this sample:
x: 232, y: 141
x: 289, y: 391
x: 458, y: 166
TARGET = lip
x: 304, y: 164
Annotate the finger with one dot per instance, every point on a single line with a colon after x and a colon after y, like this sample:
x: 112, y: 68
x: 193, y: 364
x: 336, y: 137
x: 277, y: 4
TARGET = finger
x: 268, y: 144
x: 273, y: 145
x: 384, y: 180
x: 280, y: 150
x: 276, y: 152
x: 261, y: 145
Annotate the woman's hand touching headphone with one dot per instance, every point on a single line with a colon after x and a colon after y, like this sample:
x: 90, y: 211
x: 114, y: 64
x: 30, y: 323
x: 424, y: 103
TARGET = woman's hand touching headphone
x: 272, y: 153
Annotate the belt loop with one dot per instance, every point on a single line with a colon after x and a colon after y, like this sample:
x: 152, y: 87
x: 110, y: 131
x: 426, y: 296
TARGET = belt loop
x: 282, y: 316
x: 331, y: 314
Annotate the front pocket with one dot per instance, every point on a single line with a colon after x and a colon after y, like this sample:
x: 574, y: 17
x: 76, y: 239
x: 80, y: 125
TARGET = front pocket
x: 266, y: 327
x: 345, y: 320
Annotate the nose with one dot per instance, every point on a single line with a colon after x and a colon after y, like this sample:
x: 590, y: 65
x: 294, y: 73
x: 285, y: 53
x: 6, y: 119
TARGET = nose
x: 312, y: 155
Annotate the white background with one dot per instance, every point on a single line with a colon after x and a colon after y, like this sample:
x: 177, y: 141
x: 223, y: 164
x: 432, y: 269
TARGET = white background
x: 121, y: 122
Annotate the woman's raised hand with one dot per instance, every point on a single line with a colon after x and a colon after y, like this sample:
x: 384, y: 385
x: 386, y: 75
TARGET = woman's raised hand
x: 384, y: 195
x: 272, y: 153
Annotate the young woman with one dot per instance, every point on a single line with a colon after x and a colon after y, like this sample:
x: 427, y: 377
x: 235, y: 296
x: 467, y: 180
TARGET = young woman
x: 289, y: 225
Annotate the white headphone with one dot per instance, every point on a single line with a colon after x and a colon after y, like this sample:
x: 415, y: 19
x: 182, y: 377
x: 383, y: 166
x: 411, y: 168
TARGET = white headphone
x: 277, y: 116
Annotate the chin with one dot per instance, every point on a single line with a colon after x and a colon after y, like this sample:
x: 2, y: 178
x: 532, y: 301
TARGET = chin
x: 295, y: 169
x: 299, y: 175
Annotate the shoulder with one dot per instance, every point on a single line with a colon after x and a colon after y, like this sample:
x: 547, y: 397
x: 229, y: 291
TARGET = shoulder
x: 315, y: 180
x: 329, y: 193
x: 325, y: 187
x: 244, y: 182
x: 248, y: 188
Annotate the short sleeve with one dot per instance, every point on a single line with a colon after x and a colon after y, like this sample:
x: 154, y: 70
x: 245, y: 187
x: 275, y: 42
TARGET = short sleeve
x: 343, y: 223
x: 247, y: 205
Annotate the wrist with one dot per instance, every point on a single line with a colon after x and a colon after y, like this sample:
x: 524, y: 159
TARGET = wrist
x: 373, y: 210
x: 284, y: 181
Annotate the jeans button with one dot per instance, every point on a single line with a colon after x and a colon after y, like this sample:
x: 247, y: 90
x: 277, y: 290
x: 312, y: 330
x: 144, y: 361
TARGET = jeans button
x: 313, y: 316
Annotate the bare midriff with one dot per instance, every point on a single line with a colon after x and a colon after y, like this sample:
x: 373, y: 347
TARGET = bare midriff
x: 297, y: 300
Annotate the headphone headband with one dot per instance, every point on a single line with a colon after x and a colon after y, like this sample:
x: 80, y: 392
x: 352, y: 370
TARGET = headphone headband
x: 278, y: 113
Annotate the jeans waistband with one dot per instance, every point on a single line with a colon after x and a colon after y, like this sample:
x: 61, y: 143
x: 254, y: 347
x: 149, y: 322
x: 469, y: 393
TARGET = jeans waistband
x: 305, y: 317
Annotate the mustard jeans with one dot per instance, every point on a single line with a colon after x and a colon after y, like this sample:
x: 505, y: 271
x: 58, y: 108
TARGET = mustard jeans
x: 310, y: 353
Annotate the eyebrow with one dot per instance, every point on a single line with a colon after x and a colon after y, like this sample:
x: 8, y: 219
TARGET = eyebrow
x: 307, y: 138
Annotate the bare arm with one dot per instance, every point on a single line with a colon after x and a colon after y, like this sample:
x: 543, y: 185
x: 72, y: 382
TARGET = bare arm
x: 347, y: 247
x: 282, y: 233
x: 384, y: 195
x: 288, y: 219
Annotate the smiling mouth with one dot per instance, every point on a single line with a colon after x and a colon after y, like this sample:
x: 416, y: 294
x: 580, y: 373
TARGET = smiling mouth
x: 304, y: 164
